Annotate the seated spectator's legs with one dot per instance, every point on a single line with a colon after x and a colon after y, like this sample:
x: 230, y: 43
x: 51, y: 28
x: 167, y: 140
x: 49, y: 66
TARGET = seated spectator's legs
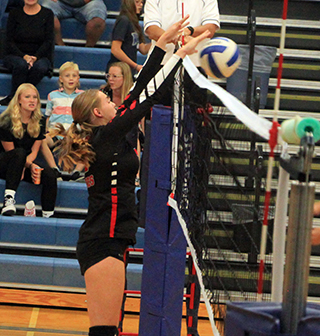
x: 11, y: 167
x: 19, y: 69
x: 61, y: 11
x: 49, y: 187
x: 57, y: 32
x: 94, y: 15
x: 38, y: 71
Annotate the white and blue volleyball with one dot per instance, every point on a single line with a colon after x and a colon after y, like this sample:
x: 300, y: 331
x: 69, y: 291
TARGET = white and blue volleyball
x: 220, y: 57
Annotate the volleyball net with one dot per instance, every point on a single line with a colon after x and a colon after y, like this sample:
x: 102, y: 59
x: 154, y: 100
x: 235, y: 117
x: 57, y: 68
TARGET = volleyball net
x: 218, y: 200
x: 222, y: 167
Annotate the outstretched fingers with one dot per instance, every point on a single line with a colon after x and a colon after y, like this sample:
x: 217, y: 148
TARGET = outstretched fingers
x: 171, y: 35
x: 190, y: 47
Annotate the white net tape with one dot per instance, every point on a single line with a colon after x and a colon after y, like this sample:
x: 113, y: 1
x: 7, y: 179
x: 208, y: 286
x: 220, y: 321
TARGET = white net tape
x: 183, y: 224
x: 252, y: 120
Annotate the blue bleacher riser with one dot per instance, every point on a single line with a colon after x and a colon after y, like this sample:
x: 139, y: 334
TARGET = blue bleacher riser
x: 38, y: 230
x: 53, y: 271
x: 113, y: 5
x: 70, y: 194
x: 46, y: 231
x: 73, y: 29
x: 48, y: 84
x: 89, y: 59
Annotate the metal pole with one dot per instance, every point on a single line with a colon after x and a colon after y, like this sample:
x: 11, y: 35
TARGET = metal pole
x: 298, y: 255
x: 279, y: 236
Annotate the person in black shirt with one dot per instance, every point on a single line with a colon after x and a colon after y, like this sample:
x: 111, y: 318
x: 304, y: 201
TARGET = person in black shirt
x: 22, y: 132
x: 128, y: 37
x: 29, y: 45
x: 97, y: 138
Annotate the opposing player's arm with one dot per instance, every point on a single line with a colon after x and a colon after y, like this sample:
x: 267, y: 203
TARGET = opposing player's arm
x: 196, y: 31
x: 154, y: 32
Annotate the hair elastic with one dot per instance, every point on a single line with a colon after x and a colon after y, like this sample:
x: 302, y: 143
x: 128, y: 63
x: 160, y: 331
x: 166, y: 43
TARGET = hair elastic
x: 78, y: 126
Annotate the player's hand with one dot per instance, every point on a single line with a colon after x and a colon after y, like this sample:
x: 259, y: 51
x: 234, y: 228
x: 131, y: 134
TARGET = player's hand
x: 172, y: 34
x: 190, y: 47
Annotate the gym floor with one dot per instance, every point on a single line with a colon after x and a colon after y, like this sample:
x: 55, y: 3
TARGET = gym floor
x: 52, y: 313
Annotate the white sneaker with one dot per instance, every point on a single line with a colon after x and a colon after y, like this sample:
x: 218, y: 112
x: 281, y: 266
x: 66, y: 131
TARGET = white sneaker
x: 30, y: 209
x: 8, y: 208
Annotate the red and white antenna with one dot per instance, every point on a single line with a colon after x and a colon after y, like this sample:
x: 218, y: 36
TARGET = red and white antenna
x: 272, y: 144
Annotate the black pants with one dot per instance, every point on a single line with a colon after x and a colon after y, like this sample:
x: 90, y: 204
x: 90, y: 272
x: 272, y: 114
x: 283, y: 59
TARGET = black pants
x: 22, y: 74
x: 11, y: 168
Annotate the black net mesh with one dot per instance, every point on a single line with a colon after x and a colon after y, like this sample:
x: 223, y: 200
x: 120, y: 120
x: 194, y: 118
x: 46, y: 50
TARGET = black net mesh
x: 220, y: 193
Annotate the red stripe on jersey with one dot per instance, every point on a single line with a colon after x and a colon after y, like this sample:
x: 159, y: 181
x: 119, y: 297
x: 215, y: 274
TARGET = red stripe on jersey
x: 114, y: 209
x: 133, y: 105
x: 123, y: 112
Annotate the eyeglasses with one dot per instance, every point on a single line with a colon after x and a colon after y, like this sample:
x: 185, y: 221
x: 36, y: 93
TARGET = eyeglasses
x: 113, y: 76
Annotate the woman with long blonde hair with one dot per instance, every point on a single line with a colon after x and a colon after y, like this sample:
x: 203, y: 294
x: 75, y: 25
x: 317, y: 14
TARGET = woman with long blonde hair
x: 97, y: 138
x: 22, y: 131
x: 119, y: 82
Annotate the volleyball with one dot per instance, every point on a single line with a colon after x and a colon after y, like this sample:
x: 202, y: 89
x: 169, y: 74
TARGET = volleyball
x: 220, y: 57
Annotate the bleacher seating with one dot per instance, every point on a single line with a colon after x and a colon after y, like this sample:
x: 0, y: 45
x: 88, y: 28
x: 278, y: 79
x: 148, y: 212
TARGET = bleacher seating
x: 42, y: 251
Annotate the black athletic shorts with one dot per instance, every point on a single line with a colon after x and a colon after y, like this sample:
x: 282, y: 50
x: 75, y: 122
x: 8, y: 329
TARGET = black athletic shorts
x: 93, y: 251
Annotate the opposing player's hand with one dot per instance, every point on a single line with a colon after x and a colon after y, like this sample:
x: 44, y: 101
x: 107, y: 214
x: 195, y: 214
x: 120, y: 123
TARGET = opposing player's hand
x: 190, y: 47
x: 171, y: 35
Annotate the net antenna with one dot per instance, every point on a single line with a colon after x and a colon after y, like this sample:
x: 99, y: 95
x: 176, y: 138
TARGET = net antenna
x: 279, y: 233
x: 178, y: 105
x: 272, y: 144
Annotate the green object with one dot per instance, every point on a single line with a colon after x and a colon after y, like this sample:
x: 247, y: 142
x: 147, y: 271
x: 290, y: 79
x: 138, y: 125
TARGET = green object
x: 308, y: 125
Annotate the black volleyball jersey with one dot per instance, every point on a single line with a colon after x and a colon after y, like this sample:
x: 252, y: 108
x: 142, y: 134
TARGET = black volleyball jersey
x: 111, y: 177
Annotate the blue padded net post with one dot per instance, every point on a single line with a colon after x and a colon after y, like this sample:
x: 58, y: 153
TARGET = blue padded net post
x: 164, y: 258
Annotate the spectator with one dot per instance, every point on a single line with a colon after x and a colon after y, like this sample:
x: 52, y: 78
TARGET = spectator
x: 127, y: 36
x: 204, y: 15
x: 29, y: 45
x: 92, y: 13
x: 22, y: 130
x: 59, y: 102
x: 58, y: 109
x: 98, y: 137
x: 119, y: 82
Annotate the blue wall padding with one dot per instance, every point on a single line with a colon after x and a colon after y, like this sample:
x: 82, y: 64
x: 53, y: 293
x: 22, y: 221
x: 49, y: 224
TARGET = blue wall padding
x: 264, y: 319
x: 165, y: 247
